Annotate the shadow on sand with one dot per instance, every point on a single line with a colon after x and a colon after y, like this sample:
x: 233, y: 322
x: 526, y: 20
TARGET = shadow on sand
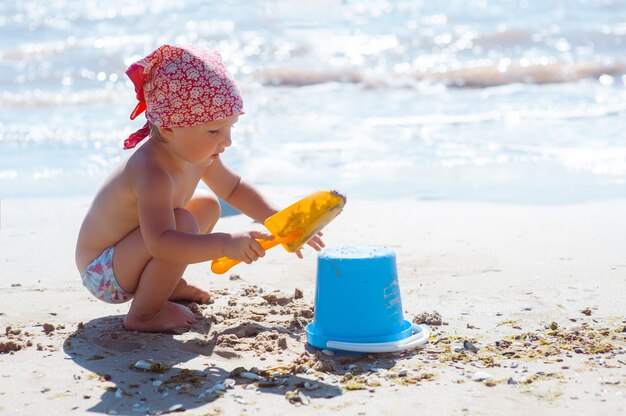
x: 105, y: 349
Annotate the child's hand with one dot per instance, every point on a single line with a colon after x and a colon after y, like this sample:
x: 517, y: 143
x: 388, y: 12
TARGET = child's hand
x: 244, y: 247
x: 315, y: 242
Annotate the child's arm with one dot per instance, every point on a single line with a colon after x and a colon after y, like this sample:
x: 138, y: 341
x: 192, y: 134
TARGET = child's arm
x: 154, y: 190
x: 229, y: 186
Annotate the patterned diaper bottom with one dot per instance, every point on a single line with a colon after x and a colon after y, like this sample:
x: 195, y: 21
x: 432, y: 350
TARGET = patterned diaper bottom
x: 99, y: 279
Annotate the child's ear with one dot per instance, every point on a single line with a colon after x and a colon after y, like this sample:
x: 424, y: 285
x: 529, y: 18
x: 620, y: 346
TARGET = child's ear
x: 166, y: 133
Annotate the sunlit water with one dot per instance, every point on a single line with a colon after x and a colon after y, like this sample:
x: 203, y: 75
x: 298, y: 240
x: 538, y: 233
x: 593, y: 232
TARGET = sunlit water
x: 483, y: 100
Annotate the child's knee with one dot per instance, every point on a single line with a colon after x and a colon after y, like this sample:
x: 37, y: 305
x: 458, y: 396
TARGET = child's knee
x: 206, y: 208
x: 210, y: 205
x: 185, y: 221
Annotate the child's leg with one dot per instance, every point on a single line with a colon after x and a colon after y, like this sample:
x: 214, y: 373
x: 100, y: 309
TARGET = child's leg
x: 206, y: 210
x: 154, y: 282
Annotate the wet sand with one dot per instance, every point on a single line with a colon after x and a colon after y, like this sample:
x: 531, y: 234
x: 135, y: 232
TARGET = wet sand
x: 530, y: 299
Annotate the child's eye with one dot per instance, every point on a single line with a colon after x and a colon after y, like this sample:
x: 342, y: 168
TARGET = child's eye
x: 214, y: 131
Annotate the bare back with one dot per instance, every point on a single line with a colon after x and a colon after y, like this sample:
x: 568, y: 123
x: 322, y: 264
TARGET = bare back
x: 114, y: 211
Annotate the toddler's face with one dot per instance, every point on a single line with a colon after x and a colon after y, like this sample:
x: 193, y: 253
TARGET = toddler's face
x: 203, y: 143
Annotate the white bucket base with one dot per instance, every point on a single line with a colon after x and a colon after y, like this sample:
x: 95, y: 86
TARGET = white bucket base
x: 417, y: 340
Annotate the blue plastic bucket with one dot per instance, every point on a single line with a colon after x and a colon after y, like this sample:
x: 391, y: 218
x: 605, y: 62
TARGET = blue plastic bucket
x: 357, y: 301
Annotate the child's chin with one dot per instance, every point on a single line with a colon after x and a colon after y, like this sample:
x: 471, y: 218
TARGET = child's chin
x: 208, y: 161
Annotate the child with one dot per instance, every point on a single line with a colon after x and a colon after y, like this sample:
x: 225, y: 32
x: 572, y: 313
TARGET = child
x: 147, y: 222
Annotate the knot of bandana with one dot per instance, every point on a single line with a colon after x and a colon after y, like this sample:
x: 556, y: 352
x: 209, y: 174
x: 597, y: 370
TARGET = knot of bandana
x: 181, y: 87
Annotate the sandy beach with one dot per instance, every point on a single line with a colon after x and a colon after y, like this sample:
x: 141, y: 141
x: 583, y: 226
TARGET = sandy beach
x: 482, y: 141
x: 530, y: 299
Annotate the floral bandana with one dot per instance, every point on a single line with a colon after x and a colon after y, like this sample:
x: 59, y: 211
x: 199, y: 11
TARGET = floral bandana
x: 181, y: 87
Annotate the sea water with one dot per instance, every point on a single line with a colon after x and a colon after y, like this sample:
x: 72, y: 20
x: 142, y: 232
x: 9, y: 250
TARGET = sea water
x: 515, y: 101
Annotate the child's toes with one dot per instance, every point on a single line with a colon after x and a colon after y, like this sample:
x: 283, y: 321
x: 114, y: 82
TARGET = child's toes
x: 204, y: 298
x: 190, y: 319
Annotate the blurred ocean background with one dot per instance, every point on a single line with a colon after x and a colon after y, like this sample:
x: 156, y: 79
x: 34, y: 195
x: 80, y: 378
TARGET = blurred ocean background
x: 511, y: 101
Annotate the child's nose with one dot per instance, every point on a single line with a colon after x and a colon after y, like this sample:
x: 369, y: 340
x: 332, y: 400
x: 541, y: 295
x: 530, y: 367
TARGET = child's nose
x: 227, y: 141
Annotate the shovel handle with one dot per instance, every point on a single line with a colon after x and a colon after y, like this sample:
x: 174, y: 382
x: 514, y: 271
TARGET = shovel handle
x: 223, y: 264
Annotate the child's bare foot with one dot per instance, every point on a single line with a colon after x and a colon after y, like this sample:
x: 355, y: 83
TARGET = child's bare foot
x: 171, y: 316
x: 185, y: 291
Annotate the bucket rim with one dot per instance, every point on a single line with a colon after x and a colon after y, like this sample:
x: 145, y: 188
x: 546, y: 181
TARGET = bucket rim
x: 319, y: 338
x: 355, y: 252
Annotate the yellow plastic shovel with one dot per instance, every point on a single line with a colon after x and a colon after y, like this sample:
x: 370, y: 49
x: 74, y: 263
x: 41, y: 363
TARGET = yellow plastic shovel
x: 295, y: 225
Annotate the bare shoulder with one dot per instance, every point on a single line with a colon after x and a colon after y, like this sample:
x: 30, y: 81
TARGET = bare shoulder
x: 133, y: 175
x: 142, y: 167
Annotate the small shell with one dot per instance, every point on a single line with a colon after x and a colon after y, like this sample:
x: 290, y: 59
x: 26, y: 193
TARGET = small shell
x: 271, y: 382
x: 219, y: 388
x: 482, y: 376
x: 150, y: 365
x: 456, y: 346
x: 229, y: 383
x: 143, y: 364
x: 178, y: 407
x: 469, y: 346
x: 250, y: 376
x: 304, y: 399
x: 311, y: 385
x: 297, y: 397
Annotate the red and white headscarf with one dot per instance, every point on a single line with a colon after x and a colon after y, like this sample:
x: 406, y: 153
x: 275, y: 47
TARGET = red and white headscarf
x: 181, y: 87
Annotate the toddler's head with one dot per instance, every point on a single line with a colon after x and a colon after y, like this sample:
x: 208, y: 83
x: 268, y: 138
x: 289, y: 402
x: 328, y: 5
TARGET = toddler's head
x: 181, y: 87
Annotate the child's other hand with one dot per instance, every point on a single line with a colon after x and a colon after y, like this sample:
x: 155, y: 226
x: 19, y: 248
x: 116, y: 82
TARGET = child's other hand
x: 244, y: 247
x: 315, y: 242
